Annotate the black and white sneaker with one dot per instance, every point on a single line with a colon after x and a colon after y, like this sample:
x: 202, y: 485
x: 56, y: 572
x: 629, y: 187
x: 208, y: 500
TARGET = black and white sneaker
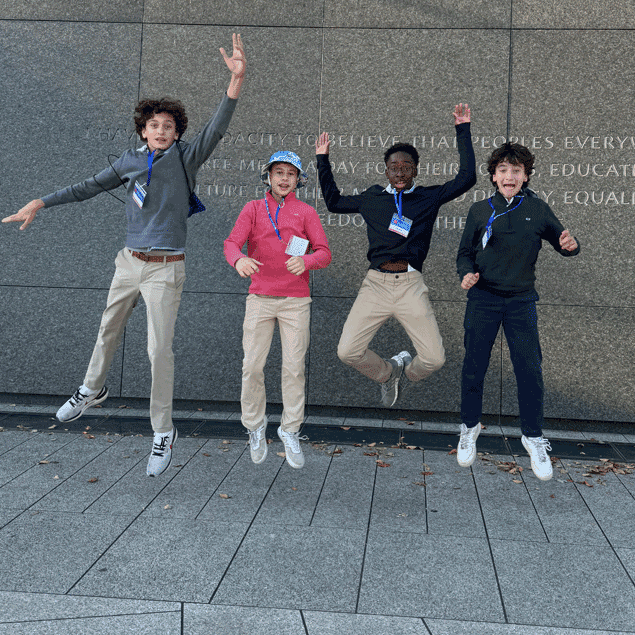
x: 74, y: 408
x: 161, y: 455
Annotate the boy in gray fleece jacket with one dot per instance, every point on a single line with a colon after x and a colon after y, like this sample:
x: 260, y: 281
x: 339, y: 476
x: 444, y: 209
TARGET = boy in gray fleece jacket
x: 158, y: 179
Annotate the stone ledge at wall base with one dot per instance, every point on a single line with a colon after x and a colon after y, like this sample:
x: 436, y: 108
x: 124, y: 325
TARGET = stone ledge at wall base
x: 344, y: 417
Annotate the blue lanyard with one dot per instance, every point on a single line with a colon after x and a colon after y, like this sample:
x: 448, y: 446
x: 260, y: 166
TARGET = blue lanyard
x: 275, y: 225
x: 150, y: 159
x: 487, y: 234
x: 398, y: 203
x: 493, y: 217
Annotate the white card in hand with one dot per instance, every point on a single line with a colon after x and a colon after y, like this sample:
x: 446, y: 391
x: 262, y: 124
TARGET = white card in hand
x: 297, y: 246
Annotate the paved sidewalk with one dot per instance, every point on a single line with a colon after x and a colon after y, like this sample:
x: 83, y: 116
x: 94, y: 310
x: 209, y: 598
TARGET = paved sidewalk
x: 370, y: 538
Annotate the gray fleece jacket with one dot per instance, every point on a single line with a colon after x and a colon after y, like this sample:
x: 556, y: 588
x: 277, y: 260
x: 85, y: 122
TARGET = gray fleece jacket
x: 162, y: 221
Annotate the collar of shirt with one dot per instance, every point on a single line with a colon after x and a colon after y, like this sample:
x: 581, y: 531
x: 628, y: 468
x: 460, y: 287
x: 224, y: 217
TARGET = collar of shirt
x: 391, y: 190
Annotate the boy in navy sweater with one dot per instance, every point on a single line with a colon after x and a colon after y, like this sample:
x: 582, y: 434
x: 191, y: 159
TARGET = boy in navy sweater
x: 496, y: 263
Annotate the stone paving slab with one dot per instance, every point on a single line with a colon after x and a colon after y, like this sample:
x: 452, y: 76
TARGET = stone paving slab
x: 49, y: 552
x: 164, y: 559
x: 338, y: 623
x: 347, y: 493
x: 149, y: 624
x: 44, y: 606
x: 429, y: 576
x: 572, y: 586
x: 240, y: 620
x: 450, y: 627
x: 297, y: 567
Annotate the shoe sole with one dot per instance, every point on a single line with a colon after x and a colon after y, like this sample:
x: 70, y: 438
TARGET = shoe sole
x: 541, y: 478
x: 394, y: 401
x: 176, y: 436
x: 86, y: 407
x: 264, y: 456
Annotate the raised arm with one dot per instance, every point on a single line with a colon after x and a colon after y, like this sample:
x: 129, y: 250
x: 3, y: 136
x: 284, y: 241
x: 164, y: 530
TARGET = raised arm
x: 335, y: 202
x: 466, y: 178
x: 236, y: 64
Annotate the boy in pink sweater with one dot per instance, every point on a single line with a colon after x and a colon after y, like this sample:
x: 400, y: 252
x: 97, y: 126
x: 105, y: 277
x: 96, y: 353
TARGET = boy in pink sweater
x: 285, y: 240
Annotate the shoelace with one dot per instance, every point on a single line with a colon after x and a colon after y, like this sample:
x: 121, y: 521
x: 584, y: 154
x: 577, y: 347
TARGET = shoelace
x: 293, y: 439
x: 463, y: 441
x: 254, y: 438
x: 158, y: 449
x: 542, y: 445
x: 77, y: 397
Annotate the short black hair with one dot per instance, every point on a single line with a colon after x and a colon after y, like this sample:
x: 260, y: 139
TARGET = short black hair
x: 147, y: 108
x: 513, y: 153
x: 402, y: 147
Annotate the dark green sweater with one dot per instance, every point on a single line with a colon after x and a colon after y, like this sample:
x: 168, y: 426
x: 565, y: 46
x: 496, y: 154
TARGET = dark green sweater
x: 507, y: 265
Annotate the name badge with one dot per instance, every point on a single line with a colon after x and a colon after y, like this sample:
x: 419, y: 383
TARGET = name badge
x: 139, y: 194
x: 297, y: 246
x: 400, y: 226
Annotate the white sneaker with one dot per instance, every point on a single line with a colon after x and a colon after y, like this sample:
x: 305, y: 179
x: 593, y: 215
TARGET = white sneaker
x: 466, y: 450
x: 390, y: 388
x: 258, y: 443
x: 80, y: 401
x: 291, y: 440
x: 540, y: 462
x: 161, y: 455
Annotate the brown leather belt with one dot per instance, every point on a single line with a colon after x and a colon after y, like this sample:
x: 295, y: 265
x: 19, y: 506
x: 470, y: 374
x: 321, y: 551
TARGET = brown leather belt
x: 143, y: 256
x: 394, y: 266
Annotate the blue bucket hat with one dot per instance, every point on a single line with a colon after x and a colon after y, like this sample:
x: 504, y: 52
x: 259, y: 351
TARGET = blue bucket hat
x: 284, y: 156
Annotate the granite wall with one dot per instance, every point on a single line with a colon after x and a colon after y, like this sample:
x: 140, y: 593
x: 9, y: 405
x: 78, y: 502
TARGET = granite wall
x: 556, y: 76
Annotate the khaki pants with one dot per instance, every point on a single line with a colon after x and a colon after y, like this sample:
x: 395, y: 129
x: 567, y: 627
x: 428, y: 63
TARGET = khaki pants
x: 161, y: 285
x: 403, y: 296
x: 261, y: 313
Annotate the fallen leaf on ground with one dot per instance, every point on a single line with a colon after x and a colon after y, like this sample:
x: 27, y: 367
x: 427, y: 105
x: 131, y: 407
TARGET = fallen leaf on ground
x: 516, y: 480
x: 225, y: 496
x: 380, y: 463
x: 226, y: 442
x: 370, y: 453
x: 345, y: 427
x: 44, y: 462
x: 206, y: 454
x: 372, y: 445
x: 53, y: 426
x: 419, y: 483
x: 281, y: 454
x: 411, y: 447
x: 88, y: 436
x: 93, y: 480
x: 427, y: 473
x: 453, y: 451
x: 167, y: 507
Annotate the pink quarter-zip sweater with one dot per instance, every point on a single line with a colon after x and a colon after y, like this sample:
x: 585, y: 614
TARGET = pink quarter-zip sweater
x: 254, y: 227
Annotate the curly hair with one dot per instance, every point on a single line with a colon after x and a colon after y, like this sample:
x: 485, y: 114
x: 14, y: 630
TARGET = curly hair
x: 147, y: 108
x: 402, y: 147
x: 513, y: 153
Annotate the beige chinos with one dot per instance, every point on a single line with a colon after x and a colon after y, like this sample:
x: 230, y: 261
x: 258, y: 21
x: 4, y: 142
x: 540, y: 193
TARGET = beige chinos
x: 403, y: 296
x: 293, y: 317
x: 161, y: 285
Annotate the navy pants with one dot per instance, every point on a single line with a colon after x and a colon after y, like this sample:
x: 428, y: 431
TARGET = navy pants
x: 484, y: 314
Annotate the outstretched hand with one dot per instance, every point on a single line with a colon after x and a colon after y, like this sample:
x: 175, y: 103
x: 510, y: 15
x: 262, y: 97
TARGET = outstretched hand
x: 26, y: 215
x: 322, y: 144
x: 462, y: 114
x: 237, y: 62
x: 567, y: 241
